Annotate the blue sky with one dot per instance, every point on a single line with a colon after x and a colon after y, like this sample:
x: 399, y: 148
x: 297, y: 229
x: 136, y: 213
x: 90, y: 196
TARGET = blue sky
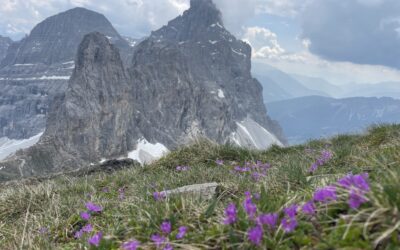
x: 340, y: 40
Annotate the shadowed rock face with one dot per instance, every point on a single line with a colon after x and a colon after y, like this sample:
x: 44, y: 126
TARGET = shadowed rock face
x: 5, y: 43
x: 189, y: 79
x: 38, y: 67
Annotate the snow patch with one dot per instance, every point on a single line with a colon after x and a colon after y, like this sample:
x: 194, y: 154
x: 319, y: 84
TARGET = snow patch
x: 221, y: 93
x: 10, y: 146
x: 250, y: 134
x: 217, y: 24
x: 147, y: 152
x: 69, y: 62
x: 212, y: 42
x: 239, y: 53
x: 37, y: 78
x: 25, y: 64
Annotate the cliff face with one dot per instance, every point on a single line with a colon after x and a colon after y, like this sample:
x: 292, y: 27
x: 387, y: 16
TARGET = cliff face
x: 193, y: 78
x: 5, y: 43
x: 37, y: 68
x: 190, y: 79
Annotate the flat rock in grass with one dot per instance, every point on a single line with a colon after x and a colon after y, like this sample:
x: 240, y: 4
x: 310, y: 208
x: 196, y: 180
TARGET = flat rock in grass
x: 205, y: 191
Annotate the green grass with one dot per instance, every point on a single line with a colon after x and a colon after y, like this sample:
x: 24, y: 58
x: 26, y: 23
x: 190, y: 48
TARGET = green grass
x: 55, y: 204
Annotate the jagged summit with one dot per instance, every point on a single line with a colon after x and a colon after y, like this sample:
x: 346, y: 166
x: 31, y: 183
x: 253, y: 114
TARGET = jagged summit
x: 56, y: 39
x: 200, y: 18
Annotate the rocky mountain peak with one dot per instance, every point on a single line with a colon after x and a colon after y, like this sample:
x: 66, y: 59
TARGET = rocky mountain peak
x: 193, y: 24
x: 56, y: 39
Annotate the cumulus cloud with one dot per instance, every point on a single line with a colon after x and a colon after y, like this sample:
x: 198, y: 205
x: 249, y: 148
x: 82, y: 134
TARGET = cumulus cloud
x: 263, y: 42
x: 358, y: 31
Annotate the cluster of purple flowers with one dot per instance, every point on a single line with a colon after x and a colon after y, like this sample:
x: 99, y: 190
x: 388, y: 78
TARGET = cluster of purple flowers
x: 325, y: 156
x: 255, y: 170
x: 161, y: 240
x: 356, y: 185
x: 88, y: 228
x: 182, y: 168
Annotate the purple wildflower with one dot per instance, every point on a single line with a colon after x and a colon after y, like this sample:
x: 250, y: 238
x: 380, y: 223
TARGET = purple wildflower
x: 78, y: 234
x: 168, y: 247
x: 309, y: 208
x: 289, y: 224
x: 182, y: 168
x: 158, y: 239
x: 356, y: 199
x: 291, y: 211
x: 158, y: 196
x: 181, y: 232
x: 93, y: 207
x: 355, y: 181
x: 325, y: 156
x: 166, y: 227
x: 255, y: 235
x: 131, y: 245
x: 85, y: 215
x: 249, y: 207
x: 95, y: 240
x: 268, y: 219
x: 230, y: 213
x: 325, y: 194
x: 87, y: 229
x: 106, y: 190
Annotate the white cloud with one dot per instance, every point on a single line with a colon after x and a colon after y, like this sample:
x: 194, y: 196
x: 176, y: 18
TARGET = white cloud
x: 305, y: 63
x: 264, y: 42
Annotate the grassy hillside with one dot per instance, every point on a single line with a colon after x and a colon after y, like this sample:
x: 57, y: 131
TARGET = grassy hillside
x: 356, y: 215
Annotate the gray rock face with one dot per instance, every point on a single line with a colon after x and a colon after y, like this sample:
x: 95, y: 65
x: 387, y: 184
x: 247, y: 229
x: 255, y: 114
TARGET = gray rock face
x: 38, y: 67
x: 56, y: 39
x: 204, y: 191
x: 5, y: 42
x: 187, y: 80
x: 193, y: 79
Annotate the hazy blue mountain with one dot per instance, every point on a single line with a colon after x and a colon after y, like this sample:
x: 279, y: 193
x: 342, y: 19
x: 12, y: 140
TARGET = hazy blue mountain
x: 315, y: 116
x: 319, y: 84
x: 388, y: 89
x: 277, y: 85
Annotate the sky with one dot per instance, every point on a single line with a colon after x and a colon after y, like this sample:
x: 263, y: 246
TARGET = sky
x: 340, y: 40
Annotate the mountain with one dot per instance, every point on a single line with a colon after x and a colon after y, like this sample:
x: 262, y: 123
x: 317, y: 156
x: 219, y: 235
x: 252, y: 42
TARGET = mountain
x: 382, y: 89
x: 56, y: 39
x: 277, y: 85
x: 5, y: 42
x: 319, y: 84
x: 190, y: 79
x: 315, y: 116
x: 38, y: 67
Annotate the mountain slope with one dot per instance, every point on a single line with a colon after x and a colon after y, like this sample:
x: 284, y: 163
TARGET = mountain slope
x: 130, y: 213
x: 315, y: 116
x: 191, y: 79
x: 37, y: 69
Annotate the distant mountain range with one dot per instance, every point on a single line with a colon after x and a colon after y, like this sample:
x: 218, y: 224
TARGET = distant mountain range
x: 314, y: 117
x: 190, y: 79
x: 278, y: 85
